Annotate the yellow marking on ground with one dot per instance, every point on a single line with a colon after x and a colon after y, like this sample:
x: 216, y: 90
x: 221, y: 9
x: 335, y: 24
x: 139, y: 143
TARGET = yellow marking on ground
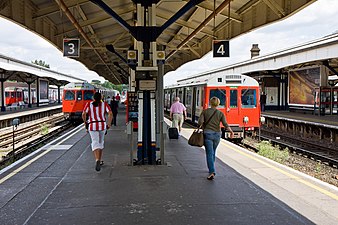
x: 14, y: 172
x: 325, y: 192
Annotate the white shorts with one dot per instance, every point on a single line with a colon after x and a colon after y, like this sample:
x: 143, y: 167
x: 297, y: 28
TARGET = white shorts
x: 97, y: 139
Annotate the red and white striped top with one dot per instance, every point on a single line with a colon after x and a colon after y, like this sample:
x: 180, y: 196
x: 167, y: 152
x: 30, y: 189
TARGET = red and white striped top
x: 97, y: 119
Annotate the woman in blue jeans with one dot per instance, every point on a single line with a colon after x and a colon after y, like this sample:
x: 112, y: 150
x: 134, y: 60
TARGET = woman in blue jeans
x: 212, y: 132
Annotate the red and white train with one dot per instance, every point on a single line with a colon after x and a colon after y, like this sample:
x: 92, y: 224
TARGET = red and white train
x: 239, y: 99
x: 20, y: 94
x: 76, y: 95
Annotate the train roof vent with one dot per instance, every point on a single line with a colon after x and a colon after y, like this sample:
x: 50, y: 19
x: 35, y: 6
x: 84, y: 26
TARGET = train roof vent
x: 233, y: 79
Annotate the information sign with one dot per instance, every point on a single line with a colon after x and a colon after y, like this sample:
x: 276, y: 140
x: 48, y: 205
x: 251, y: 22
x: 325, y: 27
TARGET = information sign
x: 71, y: 47
x: 220, y: 48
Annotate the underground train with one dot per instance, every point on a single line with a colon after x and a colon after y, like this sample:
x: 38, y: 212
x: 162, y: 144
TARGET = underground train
x: 239, y: 100
x: 76, y: 95
x: 20, y: 94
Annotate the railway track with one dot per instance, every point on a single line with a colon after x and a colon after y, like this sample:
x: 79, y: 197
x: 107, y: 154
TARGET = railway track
x: 28, y: 137
x: 305, y: 147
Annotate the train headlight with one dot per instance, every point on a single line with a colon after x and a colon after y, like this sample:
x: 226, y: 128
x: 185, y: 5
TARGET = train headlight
x: 262, y: 119
x: 246, y: 119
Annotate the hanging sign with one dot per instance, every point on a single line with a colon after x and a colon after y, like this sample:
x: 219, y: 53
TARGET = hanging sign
x: 220, y: 48
x: 71, y: 47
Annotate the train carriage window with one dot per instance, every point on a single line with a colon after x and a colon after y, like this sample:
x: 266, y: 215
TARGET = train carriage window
x: 79, y: 95
x: 233, y: 98
x: 198, y: 98
x: 188, y: 97
x: 173, y: 96
x: 88, y: 95
x: 69, y: 95
x: 249, y: 98
x: 219, y: 94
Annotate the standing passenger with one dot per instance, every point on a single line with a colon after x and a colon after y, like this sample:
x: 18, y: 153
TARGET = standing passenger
x: 263, y: 101
x: 96, y: 111
x: 114, y: 106
x: 118, y: 98
x: 177, y: 114
x: 108, y: 100
x: 212, y: 133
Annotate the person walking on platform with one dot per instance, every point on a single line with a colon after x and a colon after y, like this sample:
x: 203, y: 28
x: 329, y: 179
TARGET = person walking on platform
x: 114, y: 106
x: 212, y: 117
x: 96, y: 112
x: 177, y: 114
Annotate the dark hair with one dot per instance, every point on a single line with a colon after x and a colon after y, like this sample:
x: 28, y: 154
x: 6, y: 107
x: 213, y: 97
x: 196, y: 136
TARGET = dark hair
x: 97, y: 99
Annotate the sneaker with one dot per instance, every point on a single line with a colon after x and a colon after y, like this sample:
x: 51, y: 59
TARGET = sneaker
x: 98, y: 166
x: 101, y: 163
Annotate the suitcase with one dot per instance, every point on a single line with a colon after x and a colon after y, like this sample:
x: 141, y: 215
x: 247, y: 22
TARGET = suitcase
x: 173, y: 133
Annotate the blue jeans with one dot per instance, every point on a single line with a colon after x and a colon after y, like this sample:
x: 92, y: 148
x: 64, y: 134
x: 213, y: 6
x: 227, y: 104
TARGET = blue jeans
x: 211, y: 141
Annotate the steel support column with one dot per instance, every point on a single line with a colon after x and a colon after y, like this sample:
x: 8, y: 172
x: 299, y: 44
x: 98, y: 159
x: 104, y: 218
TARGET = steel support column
x: 159, y: 113
x: 37, y: 92
x: 2, y: 80
x: 59, y: 94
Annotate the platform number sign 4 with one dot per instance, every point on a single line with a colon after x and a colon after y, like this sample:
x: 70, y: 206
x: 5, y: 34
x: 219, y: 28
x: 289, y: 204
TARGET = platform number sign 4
x: 71, y: 47
x: 220, y: 48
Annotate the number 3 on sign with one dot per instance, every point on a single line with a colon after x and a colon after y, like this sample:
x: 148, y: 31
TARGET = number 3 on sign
x: 71, y: 47
x: 220, y: 48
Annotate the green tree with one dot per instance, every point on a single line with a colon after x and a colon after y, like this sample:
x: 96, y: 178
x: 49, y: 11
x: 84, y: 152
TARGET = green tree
x: 41, y: 63
x: 108, y: 85
x: 95, y: 82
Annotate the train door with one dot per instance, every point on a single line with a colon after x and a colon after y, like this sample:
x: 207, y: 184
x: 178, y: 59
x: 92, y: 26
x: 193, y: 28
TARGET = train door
x: 198, y: 103
x: 193, y: 104
x: 188, y: 102
x: 79, y: 100
x: 232, y: 112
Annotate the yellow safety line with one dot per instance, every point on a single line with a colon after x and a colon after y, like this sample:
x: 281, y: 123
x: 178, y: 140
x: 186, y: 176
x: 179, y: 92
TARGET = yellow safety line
x: 325, y: 192
x: 34, y: 159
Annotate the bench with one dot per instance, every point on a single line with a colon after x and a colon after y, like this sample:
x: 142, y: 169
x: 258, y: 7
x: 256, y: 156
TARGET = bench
x: 304, y: 110
x: 13, y: 106
x: 16, y: 105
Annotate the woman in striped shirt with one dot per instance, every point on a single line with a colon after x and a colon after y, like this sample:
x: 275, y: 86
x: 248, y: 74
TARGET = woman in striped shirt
x: 96, y: 112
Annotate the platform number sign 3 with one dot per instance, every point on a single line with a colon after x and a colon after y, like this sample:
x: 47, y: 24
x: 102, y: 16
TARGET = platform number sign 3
x: 220, y: 48
x: 71, y: 47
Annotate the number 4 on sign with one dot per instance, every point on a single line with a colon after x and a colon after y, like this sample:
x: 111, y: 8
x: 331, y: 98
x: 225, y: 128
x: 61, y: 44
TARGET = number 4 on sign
x: 220, y: 48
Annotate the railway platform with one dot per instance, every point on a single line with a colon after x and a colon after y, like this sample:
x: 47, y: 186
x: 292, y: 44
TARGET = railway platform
x: 327, y: 119
x: 59, y: 185
x: 28, y: 114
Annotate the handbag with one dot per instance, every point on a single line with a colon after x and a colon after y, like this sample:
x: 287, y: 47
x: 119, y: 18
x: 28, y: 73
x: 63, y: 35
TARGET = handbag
x: 197, y: 138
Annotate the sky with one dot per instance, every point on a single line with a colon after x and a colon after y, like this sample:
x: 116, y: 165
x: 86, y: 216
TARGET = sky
x: 317, y: 20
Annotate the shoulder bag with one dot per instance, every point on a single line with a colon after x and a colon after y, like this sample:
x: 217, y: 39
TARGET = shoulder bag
x: 196, y: 138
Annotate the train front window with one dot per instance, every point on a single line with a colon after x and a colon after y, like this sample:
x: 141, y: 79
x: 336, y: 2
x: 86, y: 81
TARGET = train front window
x: 69, y: 95
x: 233, y: 98
x: 249, y: 99
x: 219, y: 94
x: 88, y: 95
x: 79, y: 95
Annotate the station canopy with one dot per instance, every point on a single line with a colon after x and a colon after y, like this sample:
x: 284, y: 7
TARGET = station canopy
x: 13, y: 69
x: 186, y: 36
